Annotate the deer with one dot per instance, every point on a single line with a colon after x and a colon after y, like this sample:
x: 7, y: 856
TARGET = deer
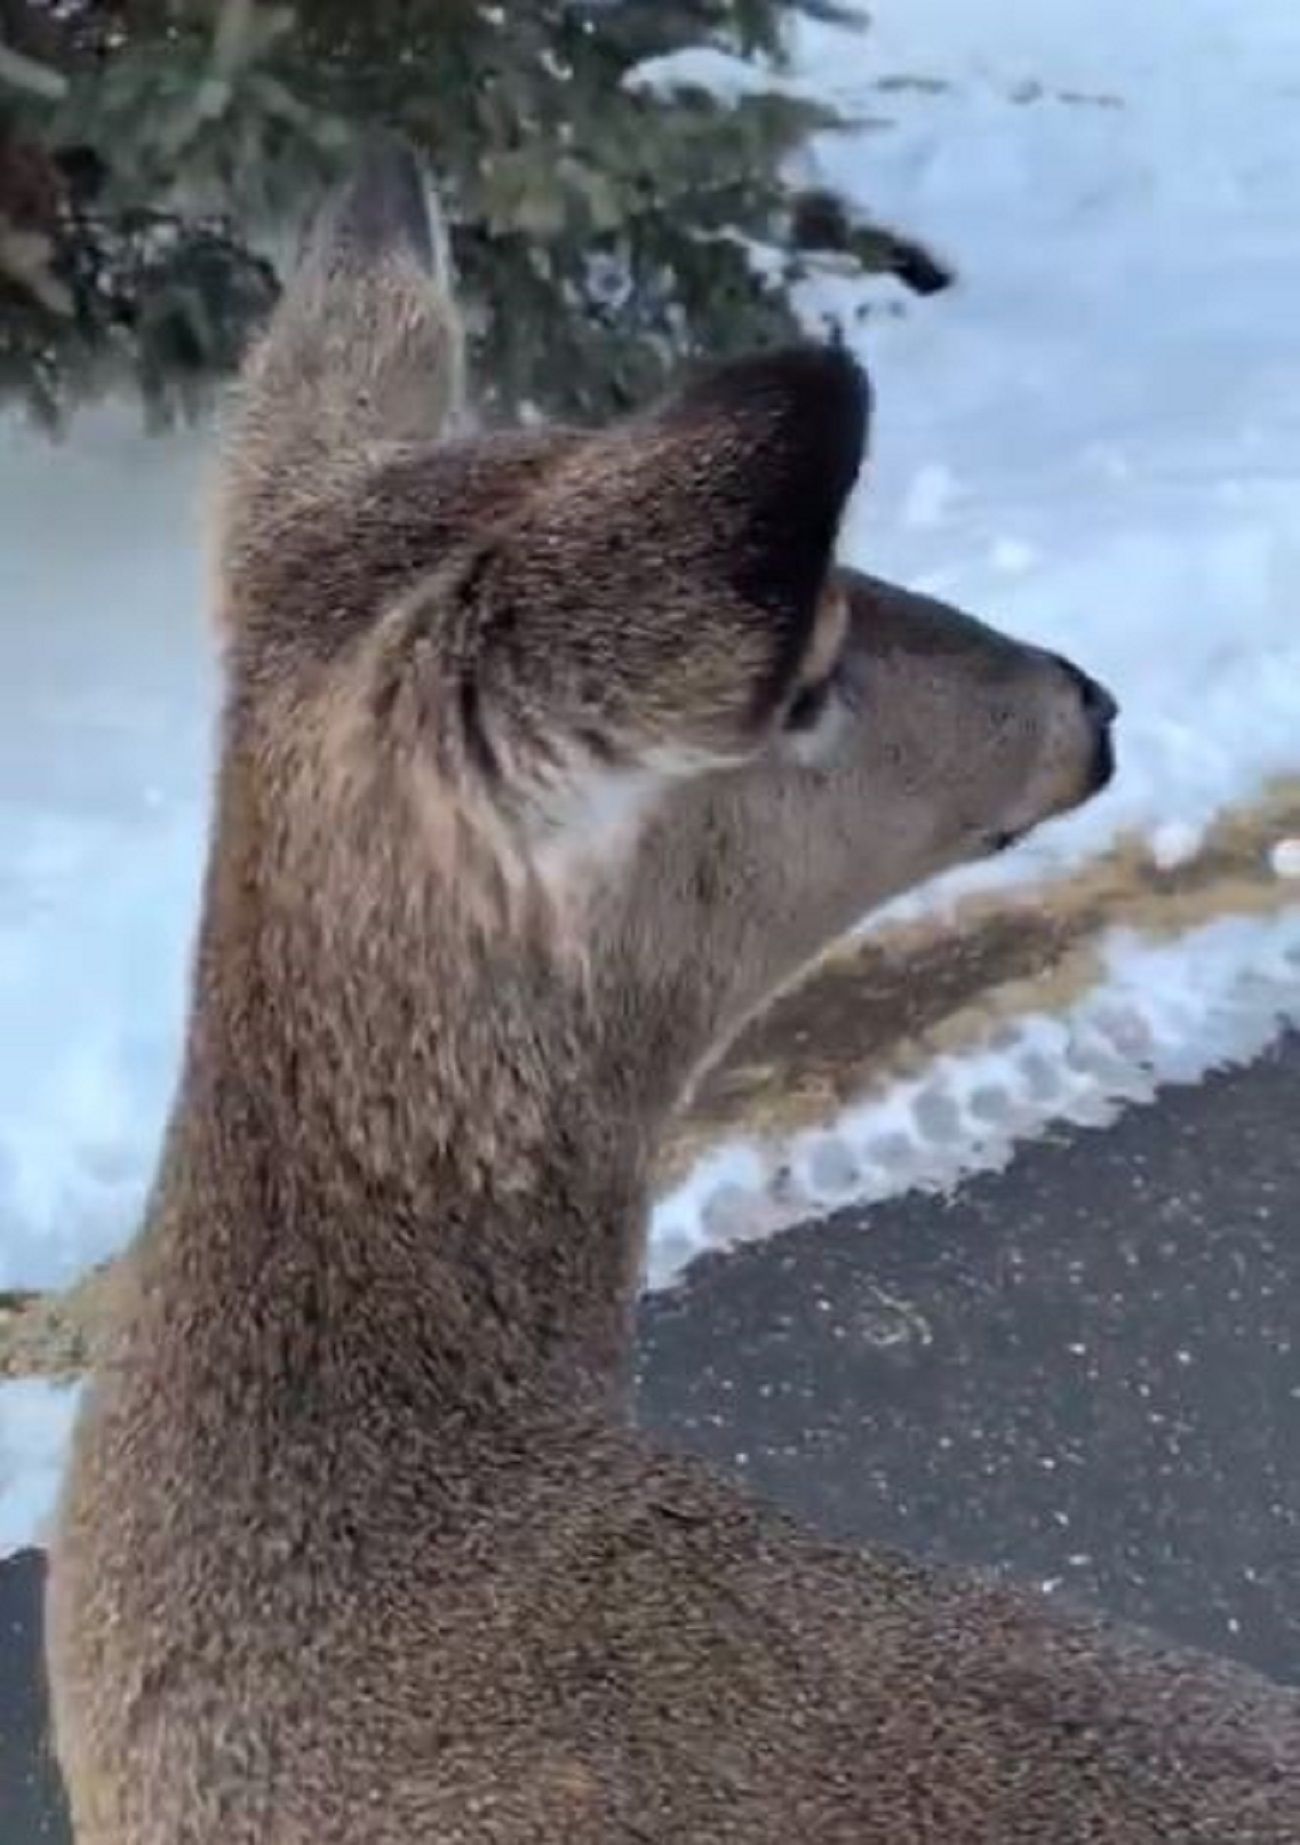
x: 547, y: 755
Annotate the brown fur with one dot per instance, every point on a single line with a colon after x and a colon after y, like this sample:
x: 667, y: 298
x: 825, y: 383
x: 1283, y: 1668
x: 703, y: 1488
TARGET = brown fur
x: 530, y: 793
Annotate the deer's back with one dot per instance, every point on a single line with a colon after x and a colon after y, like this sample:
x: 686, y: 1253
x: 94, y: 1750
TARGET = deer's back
x: 609, y: 1645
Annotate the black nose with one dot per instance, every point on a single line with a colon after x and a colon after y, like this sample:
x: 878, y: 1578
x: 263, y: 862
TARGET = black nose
x: 1098, y: 703
x: 1101, y: 710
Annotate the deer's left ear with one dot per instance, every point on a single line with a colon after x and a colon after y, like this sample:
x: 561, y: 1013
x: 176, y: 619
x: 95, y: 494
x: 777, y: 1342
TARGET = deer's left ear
x: 659, y: 592
x: 767, y: 453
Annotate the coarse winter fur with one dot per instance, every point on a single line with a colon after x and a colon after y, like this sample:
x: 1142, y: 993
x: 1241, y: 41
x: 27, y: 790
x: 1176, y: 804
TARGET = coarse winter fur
x: 546, y: 758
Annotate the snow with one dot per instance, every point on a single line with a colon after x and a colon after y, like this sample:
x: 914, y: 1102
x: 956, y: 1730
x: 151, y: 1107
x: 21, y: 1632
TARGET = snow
x: 104, y: 724
x: 1161, y: 1013
x: 1175, y: 843
x: 35, y: 1425
x: 1093, y: 440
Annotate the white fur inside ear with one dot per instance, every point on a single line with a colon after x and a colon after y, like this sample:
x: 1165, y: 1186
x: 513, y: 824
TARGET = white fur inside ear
x: 587, y: 823
x: 596, y: 810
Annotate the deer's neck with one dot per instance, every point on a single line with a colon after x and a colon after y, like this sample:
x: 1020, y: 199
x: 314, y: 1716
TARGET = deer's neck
x: 373, y: 1184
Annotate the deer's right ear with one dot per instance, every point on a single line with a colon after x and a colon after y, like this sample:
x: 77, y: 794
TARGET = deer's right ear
x: 365, y: 346
x: 384, y: 211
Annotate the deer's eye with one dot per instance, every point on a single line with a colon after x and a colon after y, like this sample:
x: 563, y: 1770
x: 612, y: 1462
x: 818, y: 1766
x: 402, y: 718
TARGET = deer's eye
x: 823, y: 663
x: 809, y: 706
x: 815, y: 721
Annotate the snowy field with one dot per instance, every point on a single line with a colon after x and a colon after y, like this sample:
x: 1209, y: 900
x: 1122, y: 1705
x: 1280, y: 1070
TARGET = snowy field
x: 1094, y: 440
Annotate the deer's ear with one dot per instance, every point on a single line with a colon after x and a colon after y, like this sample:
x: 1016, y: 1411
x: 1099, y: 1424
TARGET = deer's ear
x: 365, y: 346
x: 767, y: 453
x: 384, y: 210
x: 659, y: 593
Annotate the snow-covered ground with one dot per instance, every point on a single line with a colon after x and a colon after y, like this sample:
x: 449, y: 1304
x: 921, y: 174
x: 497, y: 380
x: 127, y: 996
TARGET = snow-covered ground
x: 1159, y: 1013
x: 35, y: 1426
x: 1093, y: 440
x: 105, y: 698
x: 1096, y: 438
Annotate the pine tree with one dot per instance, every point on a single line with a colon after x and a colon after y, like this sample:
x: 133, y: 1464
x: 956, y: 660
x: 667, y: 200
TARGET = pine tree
x: 153, y: 153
